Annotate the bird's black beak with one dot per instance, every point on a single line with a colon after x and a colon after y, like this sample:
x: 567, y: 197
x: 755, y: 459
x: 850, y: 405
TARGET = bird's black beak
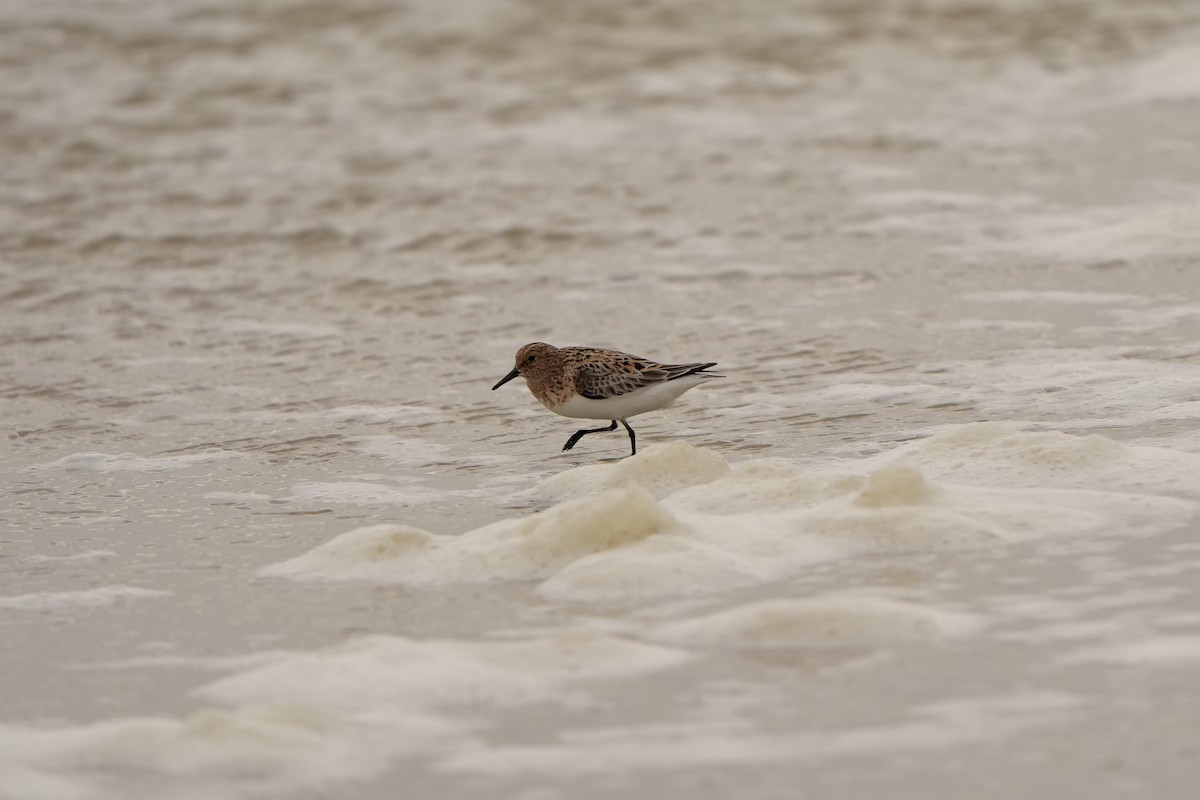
x: 506, y: 379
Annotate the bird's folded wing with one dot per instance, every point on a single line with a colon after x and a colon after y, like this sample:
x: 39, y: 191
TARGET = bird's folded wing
x: 618, y: 379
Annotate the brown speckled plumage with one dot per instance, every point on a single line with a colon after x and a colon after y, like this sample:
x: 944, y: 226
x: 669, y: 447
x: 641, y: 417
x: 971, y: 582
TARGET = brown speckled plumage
x: 609, y: 373
x: 594, y: 383
x: 556, y: 373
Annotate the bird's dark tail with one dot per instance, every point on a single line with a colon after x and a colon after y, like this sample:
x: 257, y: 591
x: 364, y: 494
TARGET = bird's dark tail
x: 700, y: 369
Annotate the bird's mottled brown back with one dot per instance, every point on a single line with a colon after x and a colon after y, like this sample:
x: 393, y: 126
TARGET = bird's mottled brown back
x: 598, y: 373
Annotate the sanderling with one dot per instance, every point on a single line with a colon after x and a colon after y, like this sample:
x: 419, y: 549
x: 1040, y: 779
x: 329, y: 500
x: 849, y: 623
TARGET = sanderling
x: 592, y: 383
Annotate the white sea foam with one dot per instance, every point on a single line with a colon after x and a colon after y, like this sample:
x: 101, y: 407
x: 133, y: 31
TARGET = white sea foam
x: 405, y: 451
x: 292, y: 330
x: 237, y: 497
x: 1002, y: 455
x: 991, y: 325
x: 1020, y: 296
x: 673, y: 467
x: 832, y: 619
x: 929, y: 198
x: 1161, y: 651
x: 1170, y: 75
x: 1076, y: 389
x: 943, y: 215
x: 98, y: 519
x: 393, y: 415
x: 923, y: 394
x: 767, y: 519
x: 86, y: 555
x: 1063, y: 387
x: 1146, y: 320
x: 1117, y: 233
x: 206, y: 662
x: 259, y: 749
x: 302, y: 720
x: 369, y: 674
x: 100, y: 596
x: 357, y: 493
x: 131, y: 462
x: 657, y: 747
x: 524, y: 549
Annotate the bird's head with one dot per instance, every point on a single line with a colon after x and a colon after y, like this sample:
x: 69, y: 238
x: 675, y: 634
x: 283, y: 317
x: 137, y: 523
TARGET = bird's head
x: 533, y: 361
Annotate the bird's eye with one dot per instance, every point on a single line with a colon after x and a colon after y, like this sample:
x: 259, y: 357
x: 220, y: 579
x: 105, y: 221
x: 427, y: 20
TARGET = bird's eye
x: 531, y: 359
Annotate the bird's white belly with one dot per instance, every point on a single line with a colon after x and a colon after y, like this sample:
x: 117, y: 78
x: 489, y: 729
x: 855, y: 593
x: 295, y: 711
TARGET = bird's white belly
x: 639, y: 401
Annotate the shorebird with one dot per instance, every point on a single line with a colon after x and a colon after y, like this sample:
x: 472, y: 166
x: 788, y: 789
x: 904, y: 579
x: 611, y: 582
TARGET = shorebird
x: 593, y: 383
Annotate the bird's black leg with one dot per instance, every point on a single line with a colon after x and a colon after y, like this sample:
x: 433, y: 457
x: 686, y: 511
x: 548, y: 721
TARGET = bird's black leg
x: 577, y: 435
x: 632, y: 436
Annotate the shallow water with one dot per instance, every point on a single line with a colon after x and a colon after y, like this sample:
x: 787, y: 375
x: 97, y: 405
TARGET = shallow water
x: 267, y: 532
